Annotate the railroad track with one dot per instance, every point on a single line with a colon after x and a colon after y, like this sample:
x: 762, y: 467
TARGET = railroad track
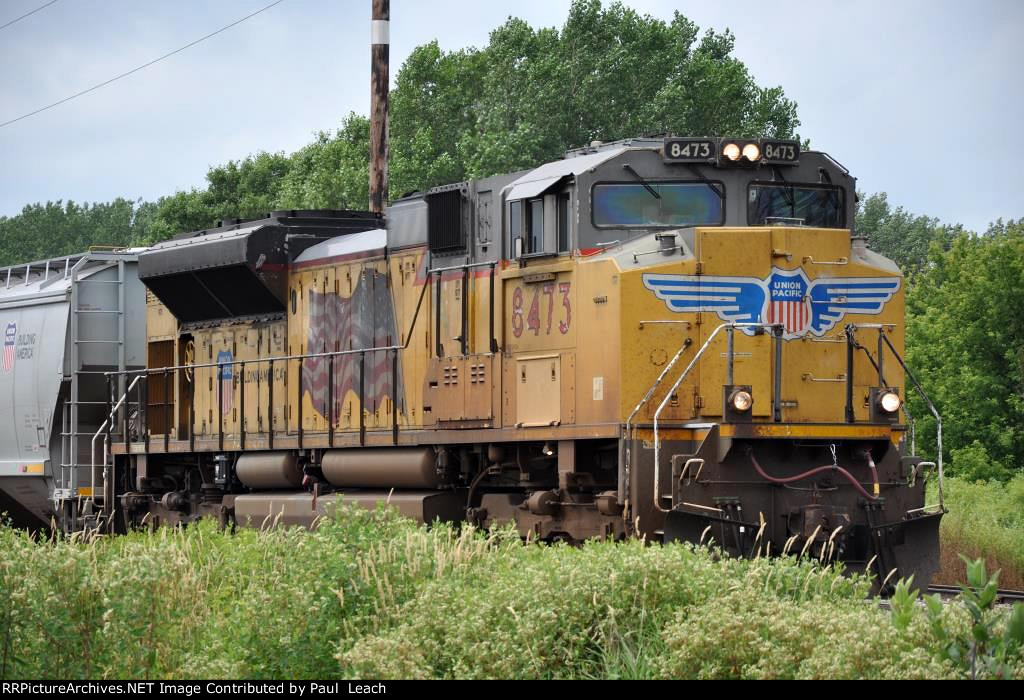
x: 1003, y: 597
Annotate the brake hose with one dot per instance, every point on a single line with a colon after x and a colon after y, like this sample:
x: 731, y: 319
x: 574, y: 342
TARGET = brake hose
x: 806, y: 475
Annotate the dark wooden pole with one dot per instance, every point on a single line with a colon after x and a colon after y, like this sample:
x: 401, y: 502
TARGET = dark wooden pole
x: 379, y: 57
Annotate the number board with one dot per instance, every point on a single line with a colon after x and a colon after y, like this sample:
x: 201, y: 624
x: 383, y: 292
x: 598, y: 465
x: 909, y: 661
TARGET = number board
x: 540, y: 312
x: 780, y: 152
x: 689, y: 150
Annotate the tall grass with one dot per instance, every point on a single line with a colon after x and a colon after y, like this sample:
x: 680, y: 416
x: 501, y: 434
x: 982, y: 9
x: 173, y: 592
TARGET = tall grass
x: 369, y: 594
x: 985, y: 521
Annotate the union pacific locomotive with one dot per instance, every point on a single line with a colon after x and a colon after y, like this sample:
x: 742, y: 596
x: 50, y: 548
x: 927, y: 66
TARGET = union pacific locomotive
x: 679, y: 339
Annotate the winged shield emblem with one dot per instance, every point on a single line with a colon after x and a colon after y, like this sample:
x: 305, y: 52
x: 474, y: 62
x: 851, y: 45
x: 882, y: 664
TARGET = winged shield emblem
x: 786, y: 297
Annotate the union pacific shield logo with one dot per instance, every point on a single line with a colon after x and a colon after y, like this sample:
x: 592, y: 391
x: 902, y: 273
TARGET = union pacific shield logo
x: 10, y: 334
x: 787, y: 303
x: 786, y: 297
x: 226, y: 376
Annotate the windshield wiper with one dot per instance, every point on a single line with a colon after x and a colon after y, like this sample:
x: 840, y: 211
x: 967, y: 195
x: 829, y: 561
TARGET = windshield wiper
x: 787, y: 192
x: 703, y: 179
x: 833, y: 198
x: 629, y: 168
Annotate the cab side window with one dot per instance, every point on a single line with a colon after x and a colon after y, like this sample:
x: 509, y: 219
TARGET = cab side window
x: 564, y: 222
x: 540, y: 225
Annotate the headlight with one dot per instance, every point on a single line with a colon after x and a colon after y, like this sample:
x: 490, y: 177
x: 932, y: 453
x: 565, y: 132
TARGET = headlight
x: 731, y: 151
x: 890, y: 402
x: 741, y: 401
x: 751, y: 152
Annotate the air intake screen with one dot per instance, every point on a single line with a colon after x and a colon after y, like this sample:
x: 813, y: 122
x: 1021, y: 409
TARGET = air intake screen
x: 446, y: 230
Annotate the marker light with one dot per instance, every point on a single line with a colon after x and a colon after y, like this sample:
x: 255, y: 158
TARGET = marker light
x: 741, y: 401
x: 751, y: 152
x: 890, y: 402
x: 731, y: 151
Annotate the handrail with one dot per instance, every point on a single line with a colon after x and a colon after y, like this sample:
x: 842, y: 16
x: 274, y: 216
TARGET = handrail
x: 624, y: 490
x: 165, y: 371
x: 851, y: 329
x: 931, y: 407
x: 884, y: 383
x: 451, y: 268
x: 668, y: 396
x: 100, y: 431
x: 227, y: 363
x: 308, y: 356
x: 730, y: 327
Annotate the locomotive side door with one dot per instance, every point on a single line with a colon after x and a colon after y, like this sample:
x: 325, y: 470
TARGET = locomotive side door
x: 460, y: 376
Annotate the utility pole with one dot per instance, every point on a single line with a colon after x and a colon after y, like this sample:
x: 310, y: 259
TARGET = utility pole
x: 379, y: 57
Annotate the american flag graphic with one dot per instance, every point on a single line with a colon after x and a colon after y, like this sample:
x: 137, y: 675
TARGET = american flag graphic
x: 364, y: 320
x: 226, y: 376
x: 10, y: 333
x: 791, y: 314
x: 788, y: 303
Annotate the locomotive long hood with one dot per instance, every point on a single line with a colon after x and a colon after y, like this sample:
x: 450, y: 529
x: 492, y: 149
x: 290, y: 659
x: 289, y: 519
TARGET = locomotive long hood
x: 242, y: 269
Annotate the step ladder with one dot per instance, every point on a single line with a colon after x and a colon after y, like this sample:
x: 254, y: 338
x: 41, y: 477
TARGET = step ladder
x: 76, y: 483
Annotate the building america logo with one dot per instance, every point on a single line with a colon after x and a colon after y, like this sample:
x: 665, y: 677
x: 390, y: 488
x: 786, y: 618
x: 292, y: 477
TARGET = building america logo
x: 10, y: 337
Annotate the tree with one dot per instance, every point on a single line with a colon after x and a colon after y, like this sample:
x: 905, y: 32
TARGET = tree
x: 965, y: 341
x: 434, y: 110
x: 332, y: 172
x: 611, y: 74
x: 240, y: 189
x: 57, y: 228
x: 899, y: 235
x: 525, y: 98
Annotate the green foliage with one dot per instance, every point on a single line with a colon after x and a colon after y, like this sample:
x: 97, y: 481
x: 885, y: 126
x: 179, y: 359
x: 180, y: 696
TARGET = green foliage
x: 903, y: 602
x: 433, y: 117
x: 985, y: 519
x: 965, y: 342
x: 203, y: 603
x: 57, y: 228
x: 609, y: 73
x: 990, y: 645
x: 566, y: 612
x: 239, y: 189
x: 746, y: 635
x: 899, y: 235
x: 330, y: 173
x: 370, y: 594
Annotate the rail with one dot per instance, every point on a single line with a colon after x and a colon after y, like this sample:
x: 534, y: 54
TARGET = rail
x: 464, y: 307
x: 224, y: 372
x: 1004, y: 596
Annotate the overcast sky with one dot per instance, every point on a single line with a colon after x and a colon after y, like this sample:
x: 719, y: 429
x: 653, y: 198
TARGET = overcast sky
x: 922, y: 100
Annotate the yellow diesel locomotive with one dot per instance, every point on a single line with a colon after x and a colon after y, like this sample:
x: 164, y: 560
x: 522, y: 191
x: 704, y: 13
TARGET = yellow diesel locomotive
x: 679, y: 338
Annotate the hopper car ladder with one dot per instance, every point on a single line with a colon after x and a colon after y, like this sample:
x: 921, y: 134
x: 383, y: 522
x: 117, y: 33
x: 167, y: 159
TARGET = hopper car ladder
x: 71, y: 484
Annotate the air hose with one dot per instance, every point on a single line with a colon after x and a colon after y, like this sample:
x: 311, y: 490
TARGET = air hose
x: 812, y: 472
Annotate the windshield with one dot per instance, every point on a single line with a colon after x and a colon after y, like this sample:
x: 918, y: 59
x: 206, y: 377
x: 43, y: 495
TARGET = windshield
x: 677, y: 204
x: 804, y: 205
